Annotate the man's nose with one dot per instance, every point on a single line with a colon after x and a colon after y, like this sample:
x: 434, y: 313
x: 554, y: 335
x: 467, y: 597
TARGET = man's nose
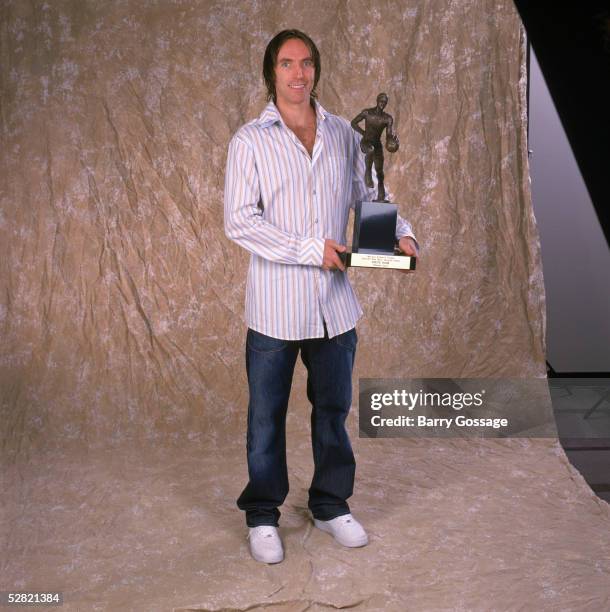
x: 299, y: 71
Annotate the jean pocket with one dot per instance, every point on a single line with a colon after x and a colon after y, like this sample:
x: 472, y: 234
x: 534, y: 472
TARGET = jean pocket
x: 348, y: 340
x: 264, y: 344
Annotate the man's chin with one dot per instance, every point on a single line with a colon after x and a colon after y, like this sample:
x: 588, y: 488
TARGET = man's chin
x: 296, y: 97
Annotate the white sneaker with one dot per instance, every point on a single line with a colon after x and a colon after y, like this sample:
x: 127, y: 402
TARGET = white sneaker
x: 345, y: 529
x: 265, y: 544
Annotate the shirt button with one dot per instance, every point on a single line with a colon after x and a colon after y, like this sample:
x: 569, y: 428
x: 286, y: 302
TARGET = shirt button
x: 315, y: 220
x: 314, y: 192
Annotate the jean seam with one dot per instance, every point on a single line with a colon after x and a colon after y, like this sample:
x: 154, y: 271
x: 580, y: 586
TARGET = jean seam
x: 276, y: 350
x: 345, y: 346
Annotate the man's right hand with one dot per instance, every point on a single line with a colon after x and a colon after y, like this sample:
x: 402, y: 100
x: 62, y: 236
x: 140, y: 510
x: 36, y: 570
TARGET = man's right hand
x: 331, y: 260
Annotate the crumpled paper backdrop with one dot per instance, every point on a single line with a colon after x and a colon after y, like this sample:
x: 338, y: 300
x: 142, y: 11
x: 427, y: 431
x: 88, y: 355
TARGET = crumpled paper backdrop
x: 121, y: 309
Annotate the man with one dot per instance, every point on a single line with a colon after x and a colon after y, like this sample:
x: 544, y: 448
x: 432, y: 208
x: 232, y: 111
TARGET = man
x: 375, y: 121
x: 292, y: 175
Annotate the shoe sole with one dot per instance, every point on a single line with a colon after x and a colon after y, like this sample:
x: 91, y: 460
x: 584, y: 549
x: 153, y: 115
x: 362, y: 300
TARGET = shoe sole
x: 349, y: 544
x: 269, y: 561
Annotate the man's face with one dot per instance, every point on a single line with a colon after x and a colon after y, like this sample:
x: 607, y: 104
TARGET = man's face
x: 294, y: 73
x: 382, y: 102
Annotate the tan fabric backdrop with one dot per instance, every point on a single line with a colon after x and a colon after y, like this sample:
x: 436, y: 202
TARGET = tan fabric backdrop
x: 121, y: 302
x: 122, y: 383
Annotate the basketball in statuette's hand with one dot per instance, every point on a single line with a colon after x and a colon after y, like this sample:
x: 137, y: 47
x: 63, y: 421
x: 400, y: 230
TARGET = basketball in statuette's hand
x: 391, y: 145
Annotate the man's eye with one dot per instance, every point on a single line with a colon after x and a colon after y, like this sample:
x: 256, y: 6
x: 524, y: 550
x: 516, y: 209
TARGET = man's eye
x: 308, y: 63
x: 284, y: 64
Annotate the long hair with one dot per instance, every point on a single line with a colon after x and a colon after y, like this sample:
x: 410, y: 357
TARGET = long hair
x: 270, y: 59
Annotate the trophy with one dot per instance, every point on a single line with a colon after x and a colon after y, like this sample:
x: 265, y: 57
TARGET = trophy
x: 374, y: 242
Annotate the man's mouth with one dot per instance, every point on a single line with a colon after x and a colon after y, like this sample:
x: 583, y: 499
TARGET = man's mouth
x: 301, y: 86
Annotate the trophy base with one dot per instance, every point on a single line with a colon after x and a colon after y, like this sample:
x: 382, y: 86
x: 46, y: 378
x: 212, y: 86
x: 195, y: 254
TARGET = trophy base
x: 387, y: 261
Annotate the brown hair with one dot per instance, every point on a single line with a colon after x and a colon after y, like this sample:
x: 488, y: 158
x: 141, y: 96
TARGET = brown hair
x: 270, y: 59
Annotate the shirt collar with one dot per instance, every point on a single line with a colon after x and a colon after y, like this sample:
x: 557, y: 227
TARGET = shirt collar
x: 271, y: 114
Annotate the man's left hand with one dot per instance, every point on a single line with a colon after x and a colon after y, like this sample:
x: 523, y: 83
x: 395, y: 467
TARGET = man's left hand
x: 409, y: 247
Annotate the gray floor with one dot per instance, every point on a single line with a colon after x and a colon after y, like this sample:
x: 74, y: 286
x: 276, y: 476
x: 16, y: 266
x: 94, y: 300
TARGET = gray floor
x: 582, y: 412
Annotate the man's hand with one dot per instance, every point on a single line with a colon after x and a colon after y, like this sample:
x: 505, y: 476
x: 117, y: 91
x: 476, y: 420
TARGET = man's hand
x: 409, y: 247
x: 330, y: 260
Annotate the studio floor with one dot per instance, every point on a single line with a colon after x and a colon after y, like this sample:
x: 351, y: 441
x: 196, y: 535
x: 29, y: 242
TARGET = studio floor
x: 582, y: 413
x: 453, y: 525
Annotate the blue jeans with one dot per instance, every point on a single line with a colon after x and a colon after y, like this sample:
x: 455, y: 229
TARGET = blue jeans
x: 270, y: 365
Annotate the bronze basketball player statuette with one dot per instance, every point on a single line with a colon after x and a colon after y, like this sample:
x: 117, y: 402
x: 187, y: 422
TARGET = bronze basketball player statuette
x: 375, y: 121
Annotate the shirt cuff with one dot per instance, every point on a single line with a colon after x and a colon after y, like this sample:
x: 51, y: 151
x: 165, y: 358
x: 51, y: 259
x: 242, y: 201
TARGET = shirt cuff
x: 311, y: 251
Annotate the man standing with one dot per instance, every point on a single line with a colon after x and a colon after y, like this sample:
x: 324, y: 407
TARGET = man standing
x: 292, y: 175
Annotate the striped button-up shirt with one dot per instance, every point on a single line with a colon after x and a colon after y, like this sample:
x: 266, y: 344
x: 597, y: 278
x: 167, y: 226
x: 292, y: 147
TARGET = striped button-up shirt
x: 280, y: 204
